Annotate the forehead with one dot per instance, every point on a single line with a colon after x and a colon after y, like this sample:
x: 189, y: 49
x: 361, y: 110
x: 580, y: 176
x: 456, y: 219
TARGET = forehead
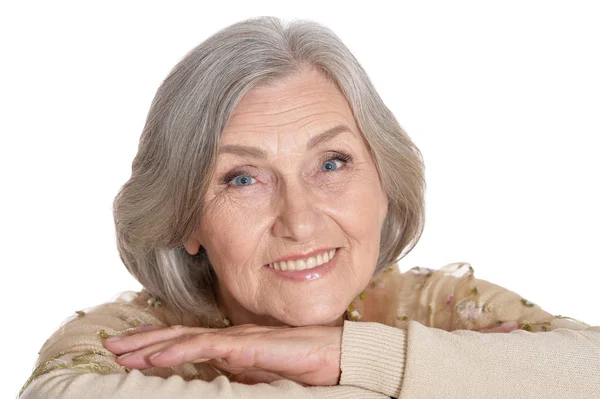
x: 295, y: 109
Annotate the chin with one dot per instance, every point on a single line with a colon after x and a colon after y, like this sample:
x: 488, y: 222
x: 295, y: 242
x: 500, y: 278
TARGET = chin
x: 317, y: 317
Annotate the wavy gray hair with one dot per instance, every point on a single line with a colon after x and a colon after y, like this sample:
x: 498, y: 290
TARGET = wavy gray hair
x: 160, y: 206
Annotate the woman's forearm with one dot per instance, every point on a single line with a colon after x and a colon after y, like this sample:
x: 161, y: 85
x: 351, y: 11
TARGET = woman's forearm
x: 71, y: 384
x: 436, y: 363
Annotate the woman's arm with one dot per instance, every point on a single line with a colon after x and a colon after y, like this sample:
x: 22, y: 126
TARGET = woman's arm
x: 434, y: 363
x: 73, y: 363
x: 71, y: 384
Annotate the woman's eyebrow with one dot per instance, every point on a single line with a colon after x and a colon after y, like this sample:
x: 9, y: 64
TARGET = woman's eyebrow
x: 256, y: 152
x: 326, y: 136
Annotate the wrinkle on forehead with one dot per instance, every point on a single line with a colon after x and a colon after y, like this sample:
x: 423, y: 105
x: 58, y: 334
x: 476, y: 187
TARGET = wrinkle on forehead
x: 278, y: 119
x: 287, y: 110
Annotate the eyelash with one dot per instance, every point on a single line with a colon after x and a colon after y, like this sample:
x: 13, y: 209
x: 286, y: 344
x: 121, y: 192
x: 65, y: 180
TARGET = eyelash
x: 339, y: 156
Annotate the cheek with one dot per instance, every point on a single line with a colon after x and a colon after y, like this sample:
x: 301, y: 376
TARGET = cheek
x: 362, y: 207
x: 362, y: 213
x: 231, y: 236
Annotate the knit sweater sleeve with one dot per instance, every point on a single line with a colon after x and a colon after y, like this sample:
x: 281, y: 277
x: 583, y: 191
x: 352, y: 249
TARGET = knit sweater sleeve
x: 71, y: 384
x: 425, y: 362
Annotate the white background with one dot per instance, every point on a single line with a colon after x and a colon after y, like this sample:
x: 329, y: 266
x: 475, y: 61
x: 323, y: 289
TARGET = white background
x: 502, y: 99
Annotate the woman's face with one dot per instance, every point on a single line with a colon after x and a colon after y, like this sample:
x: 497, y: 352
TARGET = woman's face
x: 284, y: 189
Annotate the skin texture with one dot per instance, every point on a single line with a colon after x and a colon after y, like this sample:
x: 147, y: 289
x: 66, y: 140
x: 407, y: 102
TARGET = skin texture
x: 291, y: 204
x: 288, y: 203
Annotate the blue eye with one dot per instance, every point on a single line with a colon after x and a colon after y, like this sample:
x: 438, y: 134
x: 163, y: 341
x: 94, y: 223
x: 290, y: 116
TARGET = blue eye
x: 329, y: 166
x: 242, y: 180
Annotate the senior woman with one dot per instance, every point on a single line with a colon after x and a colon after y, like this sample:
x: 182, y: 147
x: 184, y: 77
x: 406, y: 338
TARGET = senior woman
x: 270, y: 199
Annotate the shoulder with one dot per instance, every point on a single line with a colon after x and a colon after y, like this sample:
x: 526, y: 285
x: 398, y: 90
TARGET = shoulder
x: 394, y: 297
x: 78, y: 342
x: 86, y: 328
x: 449, y: 298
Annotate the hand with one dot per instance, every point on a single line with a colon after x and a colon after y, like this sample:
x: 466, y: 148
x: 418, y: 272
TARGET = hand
x: 308, y: 355
x: 502, y: 328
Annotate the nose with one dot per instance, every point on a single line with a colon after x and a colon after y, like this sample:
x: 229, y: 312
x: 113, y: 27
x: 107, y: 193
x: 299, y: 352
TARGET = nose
x: 298, y: 217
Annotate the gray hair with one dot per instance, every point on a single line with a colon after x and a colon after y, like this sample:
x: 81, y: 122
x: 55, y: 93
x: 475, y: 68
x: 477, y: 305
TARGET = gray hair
x: 158, y: 209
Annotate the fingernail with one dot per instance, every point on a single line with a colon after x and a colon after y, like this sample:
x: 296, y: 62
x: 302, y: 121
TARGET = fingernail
x: 122, y: 356
x: 112, y: 339
x: 155, y: 355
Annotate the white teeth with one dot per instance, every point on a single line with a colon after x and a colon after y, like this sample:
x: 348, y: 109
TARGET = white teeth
x: 303, y: 264
x: 300, y: 264
x: 320, y: 259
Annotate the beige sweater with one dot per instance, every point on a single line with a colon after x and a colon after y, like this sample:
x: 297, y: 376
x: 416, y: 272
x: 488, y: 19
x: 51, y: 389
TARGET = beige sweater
x: 409, y: 335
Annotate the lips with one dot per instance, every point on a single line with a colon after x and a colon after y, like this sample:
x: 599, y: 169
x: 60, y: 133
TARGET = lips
x: 304, y: 263
x: 306, y: 255
x: 306, y: 275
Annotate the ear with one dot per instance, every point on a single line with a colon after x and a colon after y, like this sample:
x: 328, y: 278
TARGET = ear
x: 192, y: 246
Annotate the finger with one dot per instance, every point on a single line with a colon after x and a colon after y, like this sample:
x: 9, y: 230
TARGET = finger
x: 140, y: 359
x: 171, y: 352
x: 111, y: 342
x: 197, y: 348
x: 146, y: 338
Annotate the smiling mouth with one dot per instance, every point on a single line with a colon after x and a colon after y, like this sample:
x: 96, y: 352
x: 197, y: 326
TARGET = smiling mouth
x: 304, y: 264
